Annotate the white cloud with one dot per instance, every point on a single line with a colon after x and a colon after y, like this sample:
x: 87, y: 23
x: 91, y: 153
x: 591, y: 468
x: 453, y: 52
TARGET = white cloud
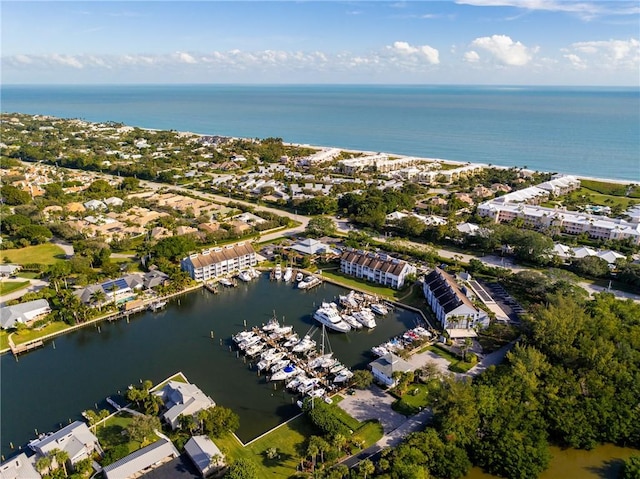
x: 66, y: 60
x: 426, y: 52
x: 608, y: 54
x: 585, y: 10
x: 186, y: 58
x: 576, y: 61
x: 504, y: 49
x: 471, y: 56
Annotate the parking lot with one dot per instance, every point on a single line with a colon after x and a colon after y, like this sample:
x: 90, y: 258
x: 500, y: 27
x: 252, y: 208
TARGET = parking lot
x: 505, y: 301
x: 372, y: 403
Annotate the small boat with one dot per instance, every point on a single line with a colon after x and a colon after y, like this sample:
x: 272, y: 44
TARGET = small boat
x: 307, y: 385
x: 351, y: 321
x: 320, y: 361
x: 309, y: 282
x: 299, y: 277
x: 304, y: 345
x: 277, y: 272
x: 245, y: 276
x: 288, y: 273
x: 286, y: 372
x: 244, y: 345
x: 157, y: 305
x: 379, y: 350
x: 269, y: 353
x: 344, y: 376
x: 348, y: 300
x: 420, y: 331
x: 317, y: 393
x: 379, y: 308
x: 225, y: 282
x: 336, y: 368
x: 265, y: 363
x: 292, y: 341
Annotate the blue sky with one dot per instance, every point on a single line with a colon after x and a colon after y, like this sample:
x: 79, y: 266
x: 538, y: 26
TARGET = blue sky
x: 499, y: 42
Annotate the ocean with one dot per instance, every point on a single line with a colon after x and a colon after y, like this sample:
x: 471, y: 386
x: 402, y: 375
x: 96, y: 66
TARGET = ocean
x: 584, y: 131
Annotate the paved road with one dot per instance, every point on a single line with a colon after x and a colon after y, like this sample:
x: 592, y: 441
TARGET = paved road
x: 36, y: 285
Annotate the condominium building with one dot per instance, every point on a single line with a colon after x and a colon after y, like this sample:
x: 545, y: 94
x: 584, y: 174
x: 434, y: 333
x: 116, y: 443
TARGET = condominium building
x: 215, y: 262
x: 379, y: 268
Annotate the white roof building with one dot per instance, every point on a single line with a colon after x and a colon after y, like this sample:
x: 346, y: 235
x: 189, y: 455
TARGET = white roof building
x: 75, y: 439
x: 19, y: 467
x: 203, y: 452
x: 141, y: 461
x: 23, y: 312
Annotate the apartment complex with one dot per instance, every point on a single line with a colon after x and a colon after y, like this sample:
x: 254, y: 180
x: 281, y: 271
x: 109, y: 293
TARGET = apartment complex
x: 379, y: 268
x: 453, y: 309
x: 212, y: 263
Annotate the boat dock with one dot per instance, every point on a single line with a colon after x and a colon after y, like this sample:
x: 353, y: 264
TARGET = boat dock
x: 213, y: 288
x: 17, y: 349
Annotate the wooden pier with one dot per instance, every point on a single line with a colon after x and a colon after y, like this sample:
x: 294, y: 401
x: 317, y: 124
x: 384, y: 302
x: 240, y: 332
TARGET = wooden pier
x: 26, y: 347
x: 213, y: 288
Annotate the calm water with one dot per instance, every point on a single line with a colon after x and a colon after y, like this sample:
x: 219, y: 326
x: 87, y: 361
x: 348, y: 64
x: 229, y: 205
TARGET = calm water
x: 588, y: 131
x: 603, y: 462
x: 51, y: 386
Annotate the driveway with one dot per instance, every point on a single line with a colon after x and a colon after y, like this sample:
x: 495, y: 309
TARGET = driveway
x: 36, y: 285
x: 373, y: 403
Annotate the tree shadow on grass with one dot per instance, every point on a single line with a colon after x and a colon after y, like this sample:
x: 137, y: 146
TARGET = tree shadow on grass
x: 279, y: 460
x: 112, y: 435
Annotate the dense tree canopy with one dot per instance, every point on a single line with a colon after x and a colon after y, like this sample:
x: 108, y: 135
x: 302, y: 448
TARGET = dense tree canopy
x: 14, y: 196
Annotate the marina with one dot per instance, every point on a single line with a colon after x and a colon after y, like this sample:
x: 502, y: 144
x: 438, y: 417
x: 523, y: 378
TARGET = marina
x: 192, y: 335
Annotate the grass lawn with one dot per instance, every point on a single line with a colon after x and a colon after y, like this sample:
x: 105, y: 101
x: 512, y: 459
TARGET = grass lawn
x: 178, y: 377
x: 600, y: 199
x: 457, y: 365
x: 7, y: 287
x: 350, y: 282
x: 28, y: 275
x: 46, y: 253
x: 31, y: 334
x: 416, y: 397
x: 289, y: 439
x: 110, y: 433
x: 4, y: 340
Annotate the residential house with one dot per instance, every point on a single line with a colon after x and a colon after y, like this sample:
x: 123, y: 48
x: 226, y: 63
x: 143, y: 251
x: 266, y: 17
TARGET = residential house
x: 7, y: 270
x: 204, y: 453
x: 141, y: 461
x: 154, y: 278
x: 453, y: 309
x: 215, y: 262
x: 182, y: 399
x: 114, y: 201
x: 19, y: 467
x: 385, y: 366
x: 23, y: 312
x: 95, y: 205
x: 376, y: 267
x: 75, y: 439
x: 312, y: 247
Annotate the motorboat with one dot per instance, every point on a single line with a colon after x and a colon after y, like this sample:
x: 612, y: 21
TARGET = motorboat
x: 317, y: 393
x: 291, y: 341
x: 225, y: 282
x: 277, y: 272
x: 365, y: 317
x: 307, y: 385
x: 269, y: 353
x: 351, y: 321
x: 379, y: 308
x: 330, y: 317
x: 286, y: 372
x: 245, y: 276
x: 280, y: 332
x: 348, y: 300
x: 279, y: 364
x: 255, y: 349
x: 271, y: 325
x: 157, y: 306
x: 295, y: 382
x: 304, y: 345
x: 343, y: 376
x: 288, y: 273
x: 320, y: 361
x: 299, y: 277
x: 242, y: 335
x: 420, y: 331
x: 265, y: 363
x: 379, y: 350
x: 308, y: 282
x: 244, y: 345
x: 336, y: 368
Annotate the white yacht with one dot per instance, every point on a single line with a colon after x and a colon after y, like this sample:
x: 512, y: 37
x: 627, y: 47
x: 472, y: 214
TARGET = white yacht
x: 304, y: 345
x: 280, y: 332
x: 351, y: 321
x: 309, y: 282
x: 379, y: 308
x: 330, y: 317
x: 291, y: 341
x: 343, y: 376
x: 365, y: 317
x: 255, y: 349
x: 288, y: 273
x: 277, y: 273
x: 321, y: 361
x: 246, y: 343
x: 242, y: 335
x: 266, y: 363
x: 285, y: 373
x: 225, y: 282
x: 279, y: 364
x: 271, y: 325
x: 299, y: 277
x: 245, y: 276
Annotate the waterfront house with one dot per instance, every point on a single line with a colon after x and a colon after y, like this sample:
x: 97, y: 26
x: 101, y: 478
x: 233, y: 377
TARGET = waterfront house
x: 453, y: 309
x: 23, y: 313
x: 311, y: 247
x: 19, y: 467
x: 377, y: 267
x: 75, y: 439
x: 204, y: 453
x: 182, y: 399
x: 215, y: 262
x: 385, y: 366
x: 141, y: 461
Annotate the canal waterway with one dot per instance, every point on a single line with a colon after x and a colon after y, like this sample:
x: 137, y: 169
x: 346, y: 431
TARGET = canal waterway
x: 49, y: 387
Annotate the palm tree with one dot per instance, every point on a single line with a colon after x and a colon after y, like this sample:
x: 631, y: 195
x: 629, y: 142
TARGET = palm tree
x: 98, y: 297
x: 61, y: 457
x: 43, y: 464
x: 312, y: 450
x: 366, y: 467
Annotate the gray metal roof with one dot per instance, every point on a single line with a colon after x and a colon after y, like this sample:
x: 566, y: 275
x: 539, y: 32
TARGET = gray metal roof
x: 140, y: 460
x: 9, y: 315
